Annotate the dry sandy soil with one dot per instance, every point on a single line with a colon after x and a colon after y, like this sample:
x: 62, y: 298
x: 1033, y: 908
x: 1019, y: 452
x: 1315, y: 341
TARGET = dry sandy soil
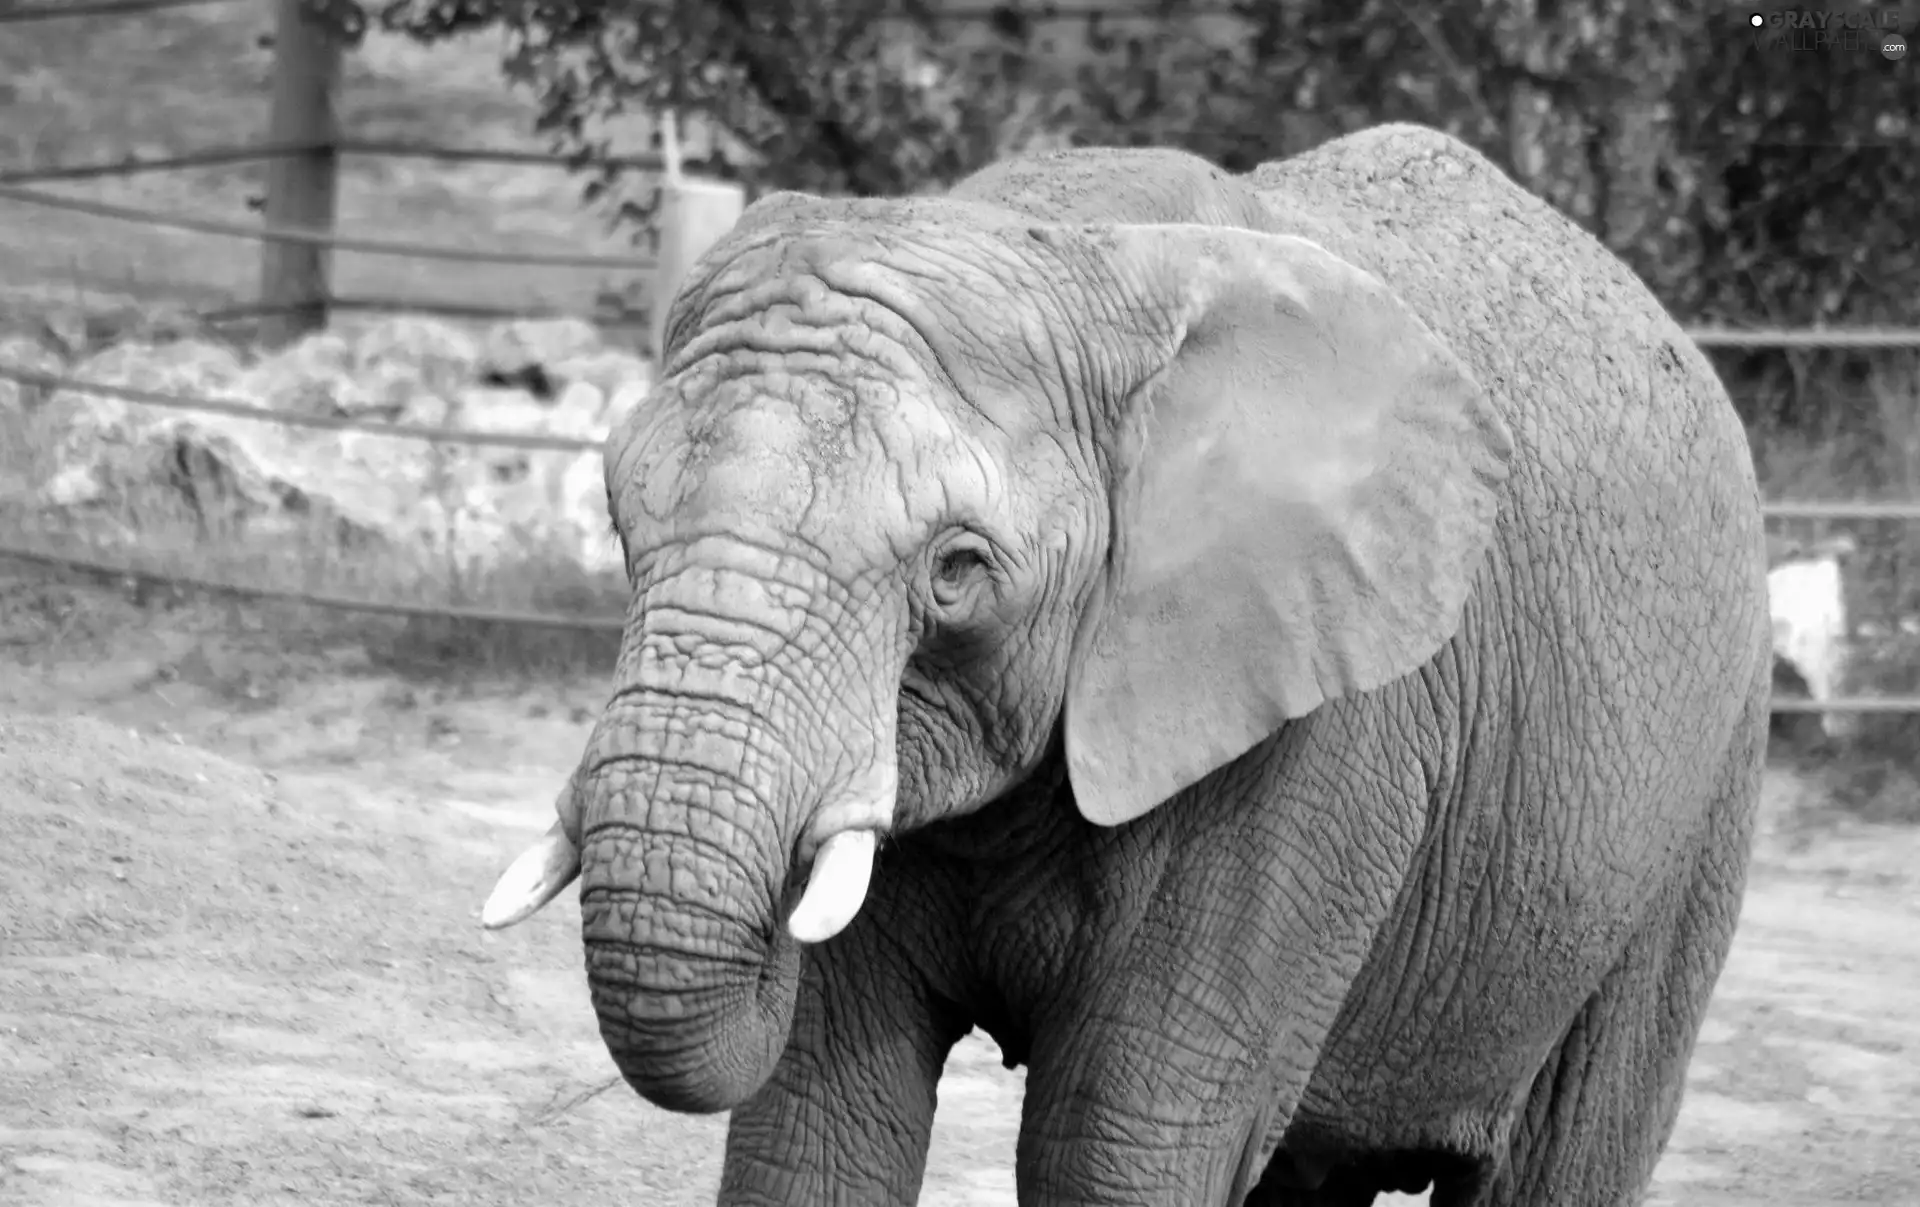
x: 239, y: 961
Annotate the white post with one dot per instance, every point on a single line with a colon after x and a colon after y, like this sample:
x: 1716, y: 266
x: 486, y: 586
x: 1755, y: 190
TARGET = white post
x: 694, y: 215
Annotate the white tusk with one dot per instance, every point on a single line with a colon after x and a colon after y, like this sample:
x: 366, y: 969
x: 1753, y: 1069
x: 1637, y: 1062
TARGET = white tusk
x: 836, y: 887
x: 532, y: 880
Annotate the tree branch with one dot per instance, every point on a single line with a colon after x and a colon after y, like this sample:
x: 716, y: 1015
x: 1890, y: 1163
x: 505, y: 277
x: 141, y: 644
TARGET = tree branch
x: 770, y: 72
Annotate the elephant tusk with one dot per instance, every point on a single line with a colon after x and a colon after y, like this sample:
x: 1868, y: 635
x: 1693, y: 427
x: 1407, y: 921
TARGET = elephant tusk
x: 533, y: 879
x: 836, y: 887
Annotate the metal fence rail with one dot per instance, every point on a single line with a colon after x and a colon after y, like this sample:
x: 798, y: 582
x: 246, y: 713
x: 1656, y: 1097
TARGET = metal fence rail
x: 354, y: 303
x: 1841, y: 510
x: 1872, y: 705
x: 217, y: 307
x: 12, y: 11
x: 209, y: 157
x: 146, y: 575
x: 313, y: 238
x: 1806, y: 337
x: 237, y: 409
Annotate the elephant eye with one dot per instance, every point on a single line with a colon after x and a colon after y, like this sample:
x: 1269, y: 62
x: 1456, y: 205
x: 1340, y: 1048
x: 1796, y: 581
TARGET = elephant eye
x: 957, y: 569
x: 959, y: 565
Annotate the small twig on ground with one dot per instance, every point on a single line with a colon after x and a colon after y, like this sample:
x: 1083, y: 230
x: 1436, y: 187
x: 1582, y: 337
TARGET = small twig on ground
x: 573, y: 1103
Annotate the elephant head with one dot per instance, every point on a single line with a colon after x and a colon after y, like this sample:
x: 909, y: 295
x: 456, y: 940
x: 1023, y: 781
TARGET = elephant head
x: 930, y: 492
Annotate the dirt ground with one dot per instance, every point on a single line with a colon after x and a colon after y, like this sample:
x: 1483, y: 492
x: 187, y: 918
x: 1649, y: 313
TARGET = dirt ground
x: 240, y: 961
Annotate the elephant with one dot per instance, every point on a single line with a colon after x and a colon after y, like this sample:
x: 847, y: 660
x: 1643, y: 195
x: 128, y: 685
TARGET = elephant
x: 1285, y: 655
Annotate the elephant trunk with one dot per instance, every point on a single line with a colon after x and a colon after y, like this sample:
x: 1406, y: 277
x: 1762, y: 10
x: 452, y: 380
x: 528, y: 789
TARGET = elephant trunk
x: 711, y: 783
x: 692, y: 976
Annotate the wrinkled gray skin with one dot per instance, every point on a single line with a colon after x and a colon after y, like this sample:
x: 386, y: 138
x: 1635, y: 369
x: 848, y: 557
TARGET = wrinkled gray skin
x: 1302, y: 634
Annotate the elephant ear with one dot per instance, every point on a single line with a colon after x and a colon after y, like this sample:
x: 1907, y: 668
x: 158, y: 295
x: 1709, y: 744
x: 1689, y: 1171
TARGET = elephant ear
x: 1303, y: 488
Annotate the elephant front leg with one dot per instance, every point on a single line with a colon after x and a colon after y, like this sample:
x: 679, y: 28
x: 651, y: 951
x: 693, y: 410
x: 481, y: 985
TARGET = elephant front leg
x: 848, y: 1114
x: 1133, y: 1112
x: 1191, y: 1038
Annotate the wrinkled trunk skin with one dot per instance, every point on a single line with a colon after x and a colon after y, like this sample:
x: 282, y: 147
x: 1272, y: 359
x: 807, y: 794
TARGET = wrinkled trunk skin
x: 691, y: 974
x: 692, y: 798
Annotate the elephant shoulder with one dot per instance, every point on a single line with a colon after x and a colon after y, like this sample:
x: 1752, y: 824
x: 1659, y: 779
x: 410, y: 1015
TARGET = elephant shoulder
x: 1406, y: 167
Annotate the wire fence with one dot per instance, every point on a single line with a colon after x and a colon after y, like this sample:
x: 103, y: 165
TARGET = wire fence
x: 231, y: 309
x: 13, y: 11
x: 239, y: 311
x: 217, y: 308
x: 12, y: 192
x: 130, y: 572
x: 317, y: 238
x: 215, y: 157
x: 236, y: 409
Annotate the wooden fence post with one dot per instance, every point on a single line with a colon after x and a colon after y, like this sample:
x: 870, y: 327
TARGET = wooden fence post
x: 303, y: 188
x: 694, y: 214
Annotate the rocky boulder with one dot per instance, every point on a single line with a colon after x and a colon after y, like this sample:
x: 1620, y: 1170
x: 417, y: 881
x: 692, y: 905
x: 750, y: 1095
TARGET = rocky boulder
x: 477, y: 505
